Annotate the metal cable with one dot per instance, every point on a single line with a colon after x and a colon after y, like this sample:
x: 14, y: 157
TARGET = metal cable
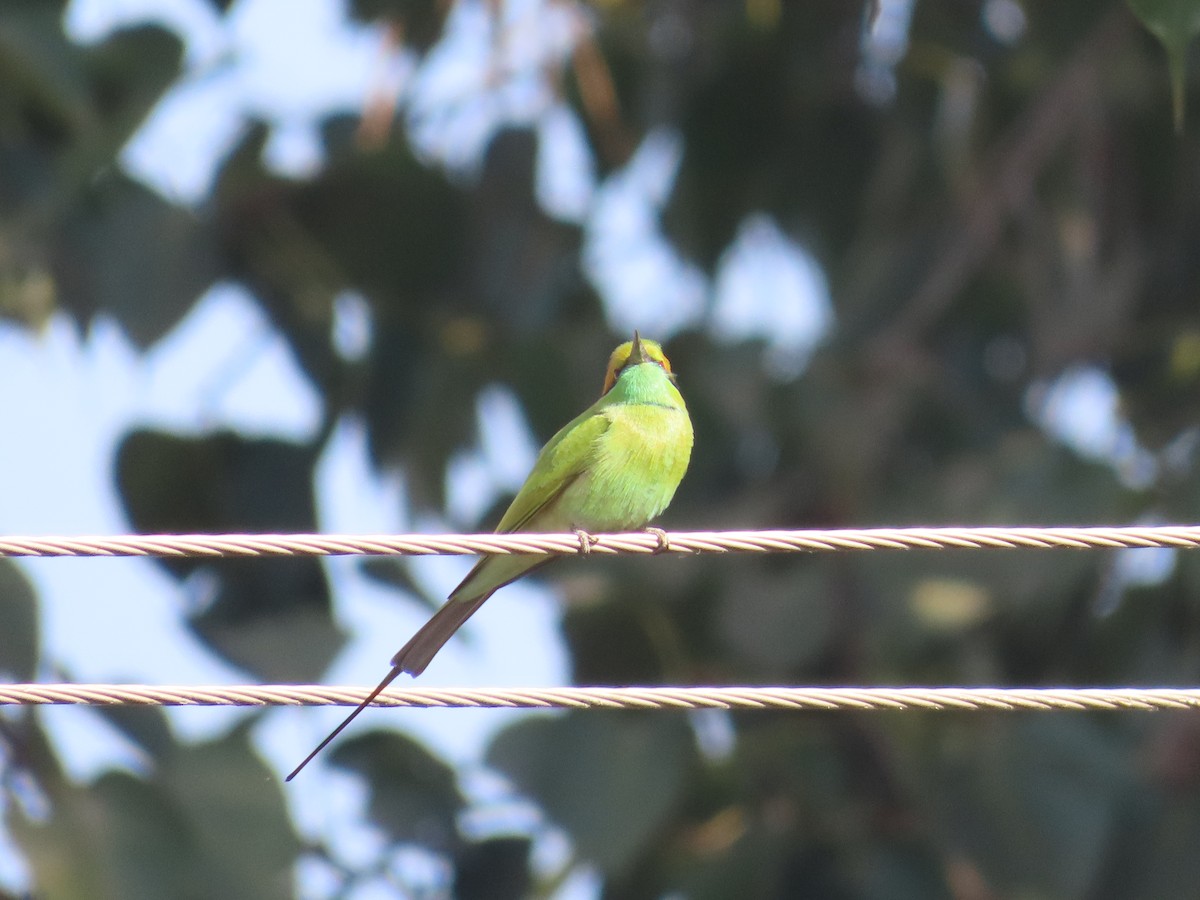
x: 814, y: 698
x: 808, y: 698
x: 682, y: 542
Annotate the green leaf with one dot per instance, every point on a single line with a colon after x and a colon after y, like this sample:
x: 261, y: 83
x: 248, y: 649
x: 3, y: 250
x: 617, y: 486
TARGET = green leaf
x: 903, y: 870
x: 210, y: 823
x: 41, y: 69
x: 420, y: 21
x: 116, y: 838
x: 145, y: 725
x: 495, y: 869
x: 414, y: 795
x: 269, y: 616
x: 124, y: 250
x: 1175, y: 23
x: 238, y: 826
x: 19, y: 634
x: 129, y: 73
x: 1036, y: 800
x: 610, y: 780
x: 393, y: 226
x: 395, y: 573
x: 778, y: 619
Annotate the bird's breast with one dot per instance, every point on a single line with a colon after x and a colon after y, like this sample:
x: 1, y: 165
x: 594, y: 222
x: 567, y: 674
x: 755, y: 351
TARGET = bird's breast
x: 635, y: 468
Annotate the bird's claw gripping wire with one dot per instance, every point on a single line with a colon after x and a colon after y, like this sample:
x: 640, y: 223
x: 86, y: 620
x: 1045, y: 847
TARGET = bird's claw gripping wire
x: 664, y: 542
x: 586, y: 541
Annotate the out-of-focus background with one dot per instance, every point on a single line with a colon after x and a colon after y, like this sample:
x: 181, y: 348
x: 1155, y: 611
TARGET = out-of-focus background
x: 298, y: 265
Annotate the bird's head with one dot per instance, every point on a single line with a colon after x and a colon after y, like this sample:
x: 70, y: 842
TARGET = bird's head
x: 635, y: 353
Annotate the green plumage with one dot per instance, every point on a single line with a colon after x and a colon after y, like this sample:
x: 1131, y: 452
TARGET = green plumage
x: 612, y: 468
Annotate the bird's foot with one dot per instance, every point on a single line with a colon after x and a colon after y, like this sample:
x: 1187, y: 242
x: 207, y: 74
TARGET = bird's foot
x: 664, y: 542
x: 586, y: 541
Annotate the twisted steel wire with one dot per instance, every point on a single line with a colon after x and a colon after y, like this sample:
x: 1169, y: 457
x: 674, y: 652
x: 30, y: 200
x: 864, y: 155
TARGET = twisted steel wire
x: 761, y: 541
x: 967, y: 699
x: 679, y: 542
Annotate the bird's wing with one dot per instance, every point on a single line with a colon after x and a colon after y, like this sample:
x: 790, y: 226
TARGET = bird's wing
x: 564, y: 458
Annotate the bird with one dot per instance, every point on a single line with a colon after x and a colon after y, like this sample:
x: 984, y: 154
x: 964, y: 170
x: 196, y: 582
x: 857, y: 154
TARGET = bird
x: 614, y: 467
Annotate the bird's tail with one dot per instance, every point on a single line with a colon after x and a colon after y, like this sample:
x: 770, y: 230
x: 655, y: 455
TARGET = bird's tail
x: 489, y: 575
x: 387, y: 679
x: 414, y: 656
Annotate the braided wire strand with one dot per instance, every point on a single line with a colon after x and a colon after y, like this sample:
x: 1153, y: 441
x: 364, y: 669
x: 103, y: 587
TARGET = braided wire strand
x: 762, y: 541
x: 680, y: 542
x: 965, y: 699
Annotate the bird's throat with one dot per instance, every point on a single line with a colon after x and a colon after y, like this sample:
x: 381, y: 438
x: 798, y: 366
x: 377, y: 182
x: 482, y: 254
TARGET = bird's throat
x: 646, y: 384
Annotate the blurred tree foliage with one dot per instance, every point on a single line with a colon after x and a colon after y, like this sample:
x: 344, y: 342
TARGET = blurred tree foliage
x: 1020, y: 204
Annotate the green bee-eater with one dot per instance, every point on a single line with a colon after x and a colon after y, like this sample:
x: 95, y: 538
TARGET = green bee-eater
x: 612, y: 468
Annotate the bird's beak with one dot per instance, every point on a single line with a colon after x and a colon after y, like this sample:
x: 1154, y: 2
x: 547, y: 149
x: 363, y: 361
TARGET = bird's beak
x: 636, y: 356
